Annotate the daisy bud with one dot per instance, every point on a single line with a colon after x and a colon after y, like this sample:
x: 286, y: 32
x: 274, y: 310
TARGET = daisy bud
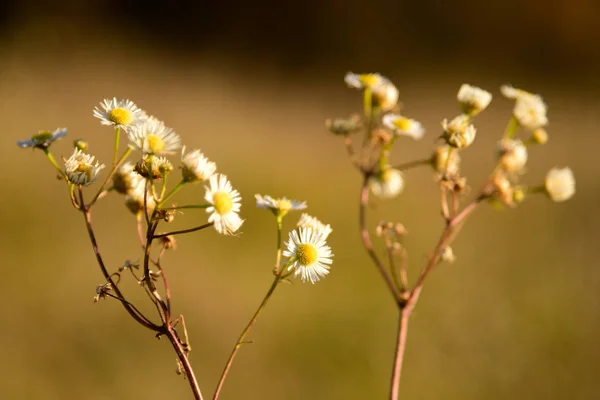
x: 81, y: 168
x: 560, y: 184
x: 387, y: 184
x: 513, y: 155
x: 403, y: 126
x: 343, y: 126
x: 446, y: 161
x: 539, y: 136
x: 125, y: 178
x: 472, y: 99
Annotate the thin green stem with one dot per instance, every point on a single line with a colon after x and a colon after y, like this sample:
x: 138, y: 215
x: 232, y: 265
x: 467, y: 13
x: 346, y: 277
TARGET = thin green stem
x: 171, y: 193
x: 511, y: 128
x: 117, y: 137
x: 412, y: 164
x: 278, y: 254
x: 112, y: 171
x: 50, y: 158
x: 186, y: 207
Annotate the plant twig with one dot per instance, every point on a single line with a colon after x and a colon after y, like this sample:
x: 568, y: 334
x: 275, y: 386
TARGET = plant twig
x: 399, y: 355
x: 194, y: 229
x: 366, y: 239
x: 245, y: 332
x: 171, y: 333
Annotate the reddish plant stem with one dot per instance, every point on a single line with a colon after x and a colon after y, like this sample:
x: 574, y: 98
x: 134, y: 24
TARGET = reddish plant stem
x: 366, y: 239
x: 170, y: 332
x: 400, y: 349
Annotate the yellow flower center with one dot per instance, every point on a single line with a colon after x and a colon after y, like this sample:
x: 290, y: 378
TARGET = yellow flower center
x: 284, y: 205
x: 155, y: 144
x: 223, y: 202
x: 370, y: 80
x: 42, y: 137
x: 306, y: 254
x: 119, y: 116
x: 403, y: 124
x: 85, y: 168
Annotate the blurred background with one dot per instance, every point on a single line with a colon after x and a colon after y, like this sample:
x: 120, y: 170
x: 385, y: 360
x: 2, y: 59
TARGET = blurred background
x: 251, y: 83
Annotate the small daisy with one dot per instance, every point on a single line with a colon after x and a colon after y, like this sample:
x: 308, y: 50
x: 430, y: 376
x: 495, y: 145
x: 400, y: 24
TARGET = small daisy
x: 309, y: 255
x: 387, y: 184
x: 560, y: 184
x: 43, y: 139
x: 404, y: 126
x: 530, y: 109
x: 385, y: 94
x: 134, y: 200
x: 119, y: 113
x: 513, y: 155
x: 81, y: 168
x: 306, y: 221
x: 225, y: 203
x: 279, y: 207
x: 459, y: 133
x: 196, y: 167
x: 125, y: 179
x: 153, y: 137
x: 472, y: 99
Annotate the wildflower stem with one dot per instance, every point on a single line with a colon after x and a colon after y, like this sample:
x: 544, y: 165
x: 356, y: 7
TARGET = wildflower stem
x: 278, y: 254
x: 245, y: 332
x: 50, y: 158
x: 194, y: 229
x: 511, y: 128
x: 171, y: 193
x: 400, y: 349
x: 111, y: 173
x: 171, y: 333
x: 366, y: 239
x: 412, y: 164
x: 133, y: 311
x: 117, y: 137
x: 187, y: 206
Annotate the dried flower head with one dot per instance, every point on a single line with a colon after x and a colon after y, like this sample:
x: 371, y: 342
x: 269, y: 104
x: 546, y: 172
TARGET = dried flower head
x: 403, y: 126
x: 445, y: 161
x: 81, y: 168
x: 153, y: 167
x: 560, y: 184
x: 152, y: 137
x: 344, y: 126
x: 43, y: 139
x: 513, y: 155
x: 134, y: 200
x: 387, y: 184
x: 196, y: 167
x: 279, y: 207
x: 308, y: 253
x: 472, y: 99
x: 125, y: 178
x: 225, y: 205
x: 119, y: 113
x: 530, y: 110
x: 458, y: 133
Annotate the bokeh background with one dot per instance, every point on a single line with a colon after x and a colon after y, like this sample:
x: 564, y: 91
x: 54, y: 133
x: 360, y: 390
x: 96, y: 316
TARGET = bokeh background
x: 251, y: 83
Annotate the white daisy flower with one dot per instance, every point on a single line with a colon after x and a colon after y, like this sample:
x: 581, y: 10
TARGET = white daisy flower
x: 125, y: 179
x: 401, y: 125
x: 472, y: 99
x: 119, y: 113
x: 43, y: 139
x: 387, y: 184
x: 530, y: 109
x: 513, y: 155
x: 560, y: 184
x: 225, y: 204
x: 385, y: 94
x: 279, y: 207
x: 306, y: 221
x: 196, y: 167
x: 134, y: 200
x: 459, y: 133
x: 81, y: 168
x: 152, y: 137
x: 309, y: 255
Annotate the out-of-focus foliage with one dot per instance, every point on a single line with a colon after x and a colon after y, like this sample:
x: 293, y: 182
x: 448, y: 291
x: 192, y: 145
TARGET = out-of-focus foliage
x: 515, y: 316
